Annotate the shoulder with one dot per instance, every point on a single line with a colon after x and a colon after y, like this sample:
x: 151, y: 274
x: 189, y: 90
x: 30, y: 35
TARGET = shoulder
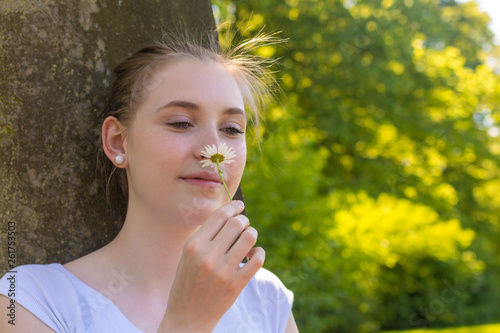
x: 268, y: 279
x: 48, y: 292
x: 62, y: 301
x: 36, y: 270
x: 36, y: 280
x: 264, y: 305
x: 19, y: 319
x: 267, y: 286
x: 32, y: 277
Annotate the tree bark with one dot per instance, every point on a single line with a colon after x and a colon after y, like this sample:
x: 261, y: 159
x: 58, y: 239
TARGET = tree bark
x: 56, y: 61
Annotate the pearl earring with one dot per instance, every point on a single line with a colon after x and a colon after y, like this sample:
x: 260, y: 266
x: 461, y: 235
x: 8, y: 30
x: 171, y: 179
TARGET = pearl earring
x: 119, y: 159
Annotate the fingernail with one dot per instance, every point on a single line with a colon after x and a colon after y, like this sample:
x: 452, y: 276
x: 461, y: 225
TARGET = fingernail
x: 253, y: 231
x: 247, y: 221
x: 241, y: 203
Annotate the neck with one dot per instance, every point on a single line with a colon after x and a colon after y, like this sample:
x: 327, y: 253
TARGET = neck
x: 148, y: 249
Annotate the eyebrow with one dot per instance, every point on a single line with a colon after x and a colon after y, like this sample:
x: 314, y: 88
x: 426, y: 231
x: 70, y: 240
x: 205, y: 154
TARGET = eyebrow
x: 195, y: 107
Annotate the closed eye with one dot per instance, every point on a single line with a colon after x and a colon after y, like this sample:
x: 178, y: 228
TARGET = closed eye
x: 233, y: 130
x: 181, y: 124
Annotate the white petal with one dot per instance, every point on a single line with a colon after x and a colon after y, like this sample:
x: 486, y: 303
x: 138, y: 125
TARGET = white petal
x: 230, y: 155
x: 223, y: 149
x: 208, y: 152
x: 205, y: 163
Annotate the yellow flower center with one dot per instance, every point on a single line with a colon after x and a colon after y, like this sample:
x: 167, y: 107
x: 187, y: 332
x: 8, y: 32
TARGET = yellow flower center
x: 217, y: 158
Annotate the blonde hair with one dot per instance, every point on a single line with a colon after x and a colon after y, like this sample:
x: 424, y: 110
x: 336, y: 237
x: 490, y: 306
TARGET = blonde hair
x: 252, y: 74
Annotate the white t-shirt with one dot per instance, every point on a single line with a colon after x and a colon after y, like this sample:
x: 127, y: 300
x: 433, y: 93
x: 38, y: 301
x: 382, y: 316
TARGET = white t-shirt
x: 67, y: 305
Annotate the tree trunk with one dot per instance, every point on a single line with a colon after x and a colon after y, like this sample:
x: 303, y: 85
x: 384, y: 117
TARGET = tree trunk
x: 56, y: 60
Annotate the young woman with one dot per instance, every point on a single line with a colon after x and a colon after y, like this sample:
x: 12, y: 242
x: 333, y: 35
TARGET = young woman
x: 176, y: 264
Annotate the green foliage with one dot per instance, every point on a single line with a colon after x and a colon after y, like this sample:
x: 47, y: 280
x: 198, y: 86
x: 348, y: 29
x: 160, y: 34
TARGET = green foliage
x: 493, y: 328
x: 374, y: 187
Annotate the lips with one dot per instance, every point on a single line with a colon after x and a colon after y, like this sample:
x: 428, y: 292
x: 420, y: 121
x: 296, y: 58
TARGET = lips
x: 204, y: 179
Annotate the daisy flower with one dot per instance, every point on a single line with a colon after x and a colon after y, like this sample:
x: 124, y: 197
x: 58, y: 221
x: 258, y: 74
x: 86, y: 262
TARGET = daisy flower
x: 217, y: 156
x: 222, y: 155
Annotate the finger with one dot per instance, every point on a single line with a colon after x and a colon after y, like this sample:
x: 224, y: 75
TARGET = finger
x: 242, y: 246
x: 218, y: 218
x: 257, y: 256
x: 230, y: 232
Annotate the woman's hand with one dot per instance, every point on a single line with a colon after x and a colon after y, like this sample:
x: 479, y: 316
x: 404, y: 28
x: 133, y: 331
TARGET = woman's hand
x: 209, y: 277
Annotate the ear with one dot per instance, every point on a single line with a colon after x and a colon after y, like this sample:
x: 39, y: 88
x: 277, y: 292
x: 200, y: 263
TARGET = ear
x: 113, y: 140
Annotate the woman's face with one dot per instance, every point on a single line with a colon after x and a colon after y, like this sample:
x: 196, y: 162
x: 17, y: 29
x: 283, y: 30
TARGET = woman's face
x: 189, y: 104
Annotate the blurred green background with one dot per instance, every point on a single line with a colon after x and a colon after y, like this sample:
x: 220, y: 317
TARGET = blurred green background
x: 375, y: 188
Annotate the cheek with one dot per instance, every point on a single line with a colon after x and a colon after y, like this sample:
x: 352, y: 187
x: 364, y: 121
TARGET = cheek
x: 173, y: 154
x: 235, y: 170
x: 158, y: 155
x: 242, y: 154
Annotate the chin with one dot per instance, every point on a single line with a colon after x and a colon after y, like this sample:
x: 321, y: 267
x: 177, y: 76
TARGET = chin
x: 199, y: 210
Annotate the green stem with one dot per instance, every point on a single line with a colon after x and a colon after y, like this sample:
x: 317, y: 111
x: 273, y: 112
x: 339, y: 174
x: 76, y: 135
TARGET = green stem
x: 222, y: 178
x: 230, y: 199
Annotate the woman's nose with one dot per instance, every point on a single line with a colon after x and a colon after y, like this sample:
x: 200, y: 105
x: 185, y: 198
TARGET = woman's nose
x: 208, y: 138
